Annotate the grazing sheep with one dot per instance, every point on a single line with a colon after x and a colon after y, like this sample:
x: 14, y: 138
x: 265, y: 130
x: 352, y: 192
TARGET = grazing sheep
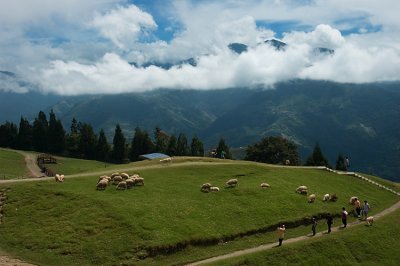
x: 102, y: 184
x: 232, y: 182
x: 166, y: 160
x: 326, y: 197
x: 333, y: 198
x: 114, y: 175
x: 214, y: 189
x: 138, y: 181
x: 302, y: 190
x: 264, y: 185
x: 287, y: 162
x: 117, y: 179
x: 205, y: 187
x: 105, y: 177
x: 121, y: 185
x: 370, y: 220
x: 130, y: 182
x: 311, y: 198
x: 124, y: 176
x: 353, y: 200
x: 59, y: 178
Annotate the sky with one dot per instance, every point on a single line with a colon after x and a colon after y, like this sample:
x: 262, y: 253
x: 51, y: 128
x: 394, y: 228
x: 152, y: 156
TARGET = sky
x: 73, y: 47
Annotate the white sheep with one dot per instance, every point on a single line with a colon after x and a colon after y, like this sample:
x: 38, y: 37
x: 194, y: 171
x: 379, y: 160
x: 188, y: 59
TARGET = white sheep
x: 105, y: 177
x: 264, y: 185
x: 117, y: 179
x: 205, y: 187
x: 370, y: 220
x: 311, y: 198
x: 166, y: 160
x: 326, y: 197
x: 214, y: 189
x: 302, y: 190
x: 353, y: 200
x: 130, y: 182
x: 138, y: 181
x: 124, y: 176
x: 59, y: 178
x: 114, y: 174
x: 232, y: 182
x: 102, y: 184
x: 121, y: 185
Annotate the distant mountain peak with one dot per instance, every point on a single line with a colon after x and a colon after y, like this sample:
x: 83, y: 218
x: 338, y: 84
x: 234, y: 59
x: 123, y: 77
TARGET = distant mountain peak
x: 238, y: 47
x: 278, y: 45
x: 323, y: 50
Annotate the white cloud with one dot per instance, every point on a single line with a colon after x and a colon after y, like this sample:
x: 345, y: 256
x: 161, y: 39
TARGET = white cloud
x: 123, y: 25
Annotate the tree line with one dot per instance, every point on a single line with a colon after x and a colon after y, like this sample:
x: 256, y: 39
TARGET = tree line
x: 49, y: 136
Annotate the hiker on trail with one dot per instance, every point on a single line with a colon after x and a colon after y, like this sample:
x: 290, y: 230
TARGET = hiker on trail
x: 329, y: 221
x: 344, y: 217
x: 314, y: 226
x: 281, y: 233
x: 222, y: 154
x: 357, y: 205
x: 365, y: 210
x: 347, y: 163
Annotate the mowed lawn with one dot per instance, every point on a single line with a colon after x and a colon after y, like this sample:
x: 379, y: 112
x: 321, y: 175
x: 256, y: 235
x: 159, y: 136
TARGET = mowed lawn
x: 12, y: 165
x: 71, y: 223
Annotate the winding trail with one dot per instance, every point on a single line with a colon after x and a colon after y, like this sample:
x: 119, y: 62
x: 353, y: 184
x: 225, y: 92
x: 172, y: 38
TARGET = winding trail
x: 36, y: 175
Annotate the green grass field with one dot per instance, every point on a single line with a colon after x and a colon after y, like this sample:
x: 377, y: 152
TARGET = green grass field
x: 12, y: 164
x: 167, y: 221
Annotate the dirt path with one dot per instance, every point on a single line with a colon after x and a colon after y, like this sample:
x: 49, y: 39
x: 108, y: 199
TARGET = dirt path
x: 7, y: 261
x: 291, y: 240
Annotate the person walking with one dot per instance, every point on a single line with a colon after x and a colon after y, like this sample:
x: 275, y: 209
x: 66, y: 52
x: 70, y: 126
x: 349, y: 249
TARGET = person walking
x: 281, y: 234
x: 314, y: 226
x: 365, y: 210
x: 347, y: 163
x: 329, y: 222
x: 344, y: 217
x: 357, y: 205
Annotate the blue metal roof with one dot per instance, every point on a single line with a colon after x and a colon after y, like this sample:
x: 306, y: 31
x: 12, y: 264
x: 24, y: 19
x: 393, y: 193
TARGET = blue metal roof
x: 152, y: 156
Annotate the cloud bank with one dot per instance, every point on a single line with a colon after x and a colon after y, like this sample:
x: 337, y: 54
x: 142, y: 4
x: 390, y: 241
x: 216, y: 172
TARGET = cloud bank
x: 110, y: 45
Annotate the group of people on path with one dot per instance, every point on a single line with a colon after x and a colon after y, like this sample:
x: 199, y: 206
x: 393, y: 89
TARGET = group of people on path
x: 329, y: 221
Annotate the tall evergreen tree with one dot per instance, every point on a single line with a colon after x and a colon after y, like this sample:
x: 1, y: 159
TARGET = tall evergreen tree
x: 161, y: 140
x: 119, y: 147
x: 73, y: 139
x: 223, y: 150
x: 141, y: 144
x: 341, y: 163
x: 182, y: 147
x: 87, y: 142
x: 102, y: 147
x: 8, y: 135
x: 196, y: 147
x: 24, y: 138
x: 317, y: 158
x: 172, y: 146
x: 274, y: 150
x: 39, y: 132
x: 55, y: 135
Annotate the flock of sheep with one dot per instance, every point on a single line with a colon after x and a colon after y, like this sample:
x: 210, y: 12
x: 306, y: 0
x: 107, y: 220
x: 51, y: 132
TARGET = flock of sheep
x: 207, y: 187
x: 121, y: 180
x: 311, y: 198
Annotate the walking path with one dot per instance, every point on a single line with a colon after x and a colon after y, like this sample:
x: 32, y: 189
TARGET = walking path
x: 290, y: 240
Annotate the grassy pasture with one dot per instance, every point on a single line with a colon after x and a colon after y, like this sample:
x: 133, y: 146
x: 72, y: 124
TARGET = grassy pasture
x: 12, y: 164
x: 71, y: 223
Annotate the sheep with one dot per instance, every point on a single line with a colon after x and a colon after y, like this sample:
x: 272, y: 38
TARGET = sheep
x: 205, y: 187
x: 105, y: 177
x: 166, y: 160
x: 352, y: 200
x: 232, y: 182
x: 370, y: 220
x: 130, y: 182
x: 326, y: 197
x: 264, y: 185
x: 302, y: 190
x: 121, y: 185
x: 214, y: 189
x: 333, y: 198
x: 114, y: 174
x: 311, y: 198
x: 59, y: 178
x: 102, y: 184
x: 124, y: 176
x: 287, y: 162
x: 138, y: 181
x: 117, y: 179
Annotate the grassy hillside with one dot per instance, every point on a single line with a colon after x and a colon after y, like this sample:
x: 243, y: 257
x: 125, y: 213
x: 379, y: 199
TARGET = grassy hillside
x: 12, y: 164
x: 363, y: 245
x: 167, y: 221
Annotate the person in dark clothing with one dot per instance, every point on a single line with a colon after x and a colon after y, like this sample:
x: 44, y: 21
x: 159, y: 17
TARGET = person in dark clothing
x: 314, y: 226
x: 281, y: 233
x: 344, y: 217
x: 329, y: 222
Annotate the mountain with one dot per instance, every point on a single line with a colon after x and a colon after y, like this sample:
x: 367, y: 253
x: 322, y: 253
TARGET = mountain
x: 238, y: 47
x: 278, y: 45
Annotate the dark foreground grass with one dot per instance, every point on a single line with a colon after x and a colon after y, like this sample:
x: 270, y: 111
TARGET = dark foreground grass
x: 168, y: 221
x: 362, y: 245
x: 12, y: 165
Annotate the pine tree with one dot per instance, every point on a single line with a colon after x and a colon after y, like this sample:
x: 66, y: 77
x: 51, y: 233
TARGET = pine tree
x: 182, y: 147
x: 55, y: 135
x: 87, y: 142
x: 24, y: 138
x: 8, y: 135
x: 172, y: 146
x: 102, y: 147
x: 73, y: 139
x: 341, y: 163
x: 119, y: 148
x: 223, y: 150
x: 317, y: 158
x: 39, y: 132
x: 141, y: 144
x: 196, y: 147
x: 161, y: 140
